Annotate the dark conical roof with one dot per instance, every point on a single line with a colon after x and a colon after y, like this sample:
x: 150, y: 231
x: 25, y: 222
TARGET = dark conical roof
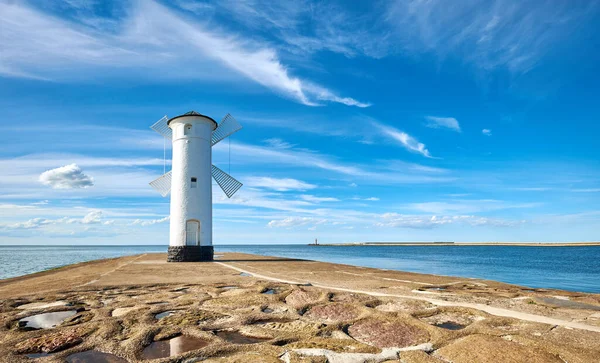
x: 193, y: 113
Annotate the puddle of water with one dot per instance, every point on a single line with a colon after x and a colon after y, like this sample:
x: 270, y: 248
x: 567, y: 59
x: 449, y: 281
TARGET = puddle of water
x: 568, y: 303
x: 237, y: 338
x: 245, y: 274
x: 270, y: 292
x: 276, y: 320
x: 164, y: 314
x: 267, y: 310
x: 46, y: 320
x: 450, y: 325
x: 171, y: 347
x: 37, y: 355
x: 94, y: 356
x: 181, y: 290
x: 228, y: 287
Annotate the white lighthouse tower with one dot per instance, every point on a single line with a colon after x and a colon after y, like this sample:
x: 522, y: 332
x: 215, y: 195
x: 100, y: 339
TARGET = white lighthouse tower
x: 193, y: 135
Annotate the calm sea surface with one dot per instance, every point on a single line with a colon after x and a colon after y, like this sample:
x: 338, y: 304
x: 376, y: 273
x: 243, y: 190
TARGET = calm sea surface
x: 568, y: 268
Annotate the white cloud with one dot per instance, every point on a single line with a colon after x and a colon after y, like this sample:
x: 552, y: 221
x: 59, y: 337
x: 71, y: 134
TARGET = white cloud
x: 66, y: 177
x: 291, y: 222
x: 313, y: 199
x: 151, y: 37
x: 427, y: 222
x: 92, y: 217
x: 405, y: 140
x: 486, y: 132
x: 370, y: 199
x: 468, y: 206
x: 150, y: 222
x: 441, y: 122
x: 586, y: 190
x: 278, y: 184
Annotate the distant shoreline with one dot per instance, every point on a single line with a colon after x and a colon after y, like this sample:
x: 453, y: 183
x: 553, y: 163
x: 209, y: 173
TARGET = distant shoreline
x: 521, y: 244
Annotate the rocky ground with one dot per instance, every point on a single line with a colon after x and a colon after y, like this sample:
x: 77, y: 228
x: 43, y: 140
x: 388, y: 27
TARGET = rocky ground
x: 247, y: 308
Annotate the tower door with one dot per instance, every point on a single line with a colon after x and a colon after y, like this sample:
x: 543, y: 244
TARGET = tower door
x: 192, y: 233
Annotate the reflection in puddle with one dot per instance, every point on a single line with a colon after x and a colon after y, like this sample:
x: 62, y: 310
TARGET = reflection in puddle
x: 171, y: 347
x: 245, y: 274
x: 450, y: 325
x: 181, y: 290
x: 270, y: 292
x: 94, y: 356
x: 267, y: 310
x: 164, y: 314
x: 237, y: 338
x: 275, y: 320
x: 46, y: 320
x: 37, y: 355
x: 228, y: 287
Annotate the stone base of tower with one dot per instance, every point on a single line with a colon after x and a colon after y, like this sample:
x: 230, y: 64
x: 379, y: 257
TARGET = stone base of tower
x: 190, y: 253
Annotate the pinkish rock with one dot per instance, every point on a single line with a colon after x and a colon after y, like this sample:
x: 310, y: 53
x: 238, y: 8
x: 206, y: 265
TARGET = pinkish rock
x: 388, y: 334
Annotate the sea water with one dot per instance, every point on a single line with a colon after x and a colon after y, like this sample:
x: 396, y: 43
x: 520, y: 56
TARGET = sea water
x: 567, y: 268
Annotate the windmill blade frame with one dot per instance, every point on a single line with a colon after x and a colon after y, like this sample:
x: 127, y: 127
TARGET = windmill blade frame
x: 228, y: 184
x: 162, y: 128
x: 162, y: 184
x: 227, y: 127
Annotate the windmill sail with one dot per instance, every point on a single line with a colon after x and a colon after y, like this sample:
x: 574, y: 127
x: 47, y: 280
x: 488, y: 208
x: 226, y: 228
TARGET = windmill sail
x: 162, y: 184
x: 228, y: 126
x: 226, y: 181
x: 162, y: 128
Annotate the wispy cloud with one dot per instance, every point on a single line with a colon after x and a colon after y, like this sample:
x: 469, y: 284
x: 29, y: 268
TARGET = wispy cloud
x: 291, y: 222
x: 93, y: 217
x: 314, y: 199
x: 486, y: 132
x: 442, y: 122
x: 278, y: 184
x: 468, y: 206
x: 152, y: 37
x: 488, y: 34
x: 368, y: 173
x: 150, y: 222
x: 306, y: 27
x: 405, y: 140
x: 428, y: 222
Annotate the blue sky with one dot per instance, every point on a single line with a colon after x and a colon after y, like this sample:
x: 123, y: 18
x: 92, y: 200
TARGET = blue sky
x: 378, y: 121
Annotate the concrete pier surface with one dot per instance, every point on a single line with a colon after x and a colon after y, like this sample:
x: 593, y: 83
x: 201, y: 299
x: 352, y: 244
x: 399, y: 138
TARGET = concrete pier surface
x: 248, y: 308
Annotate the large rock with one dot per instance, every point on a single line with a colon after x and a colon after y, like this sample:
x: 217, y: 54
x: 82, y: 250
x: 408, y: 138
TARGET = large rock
x: 486, y: 348
x: 388, y: 333
x: 333, y: 313
x: 300, y: 298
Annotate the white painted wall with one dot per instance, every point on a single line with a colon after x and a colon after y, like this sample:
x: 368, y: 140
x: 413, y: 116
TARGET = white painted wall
x: 191, y: 158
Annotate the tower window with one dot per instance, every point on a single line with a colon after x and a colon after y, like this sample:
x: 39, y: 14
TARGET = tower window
x: 187, y: 129
x: 194, y: 180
